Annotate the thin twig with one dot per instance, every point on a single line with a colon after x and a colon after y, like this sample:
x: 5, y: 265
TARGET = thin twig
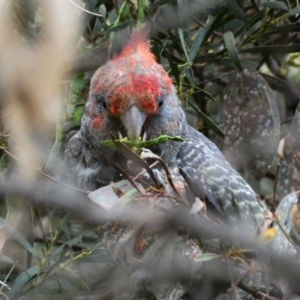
x: 144, y: 171
x: 7, y: 135
x: 256, y: 294
x: 85, y: 10
x: 43, y: 173
x: 202, y: 25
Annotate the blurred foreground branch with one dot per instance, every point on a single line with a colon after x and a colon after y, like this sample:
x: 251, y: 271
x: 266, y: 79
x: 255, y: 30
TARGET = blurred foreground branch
x: 287, y: 269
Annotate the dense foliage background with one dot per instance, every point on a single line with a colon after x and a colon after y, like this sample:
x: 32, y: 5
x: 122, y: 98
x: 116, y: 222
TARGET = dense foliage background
x: 216, y: 54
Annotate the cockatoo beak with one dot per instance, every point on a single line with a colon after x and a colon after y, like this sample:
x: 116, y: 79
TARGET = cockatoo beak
x: 133, y: 120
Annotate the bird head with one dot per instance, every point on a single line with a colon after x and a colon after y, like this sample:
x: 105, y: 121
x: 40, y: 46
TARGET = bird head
x: 133, y: 94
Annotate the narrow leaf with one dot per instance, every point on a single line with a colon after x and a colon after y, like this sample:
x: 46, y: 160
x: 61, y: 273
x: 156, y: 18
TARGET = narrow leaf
x: 160, y: 3
x: 222, y: 61
x: 208, y: 95
x: 275, y: 4
x: 282, y: 29
x: 216, y: 23
x: 197, y: 43
x: 173, y: 66
x: 273, y: 49
x: 256, y: 8
x: 115, y: 28
x: 236, y: 10
x: 233, y: 53
x: 206, y: 257
x: 70, y: 244
x: 141, y: 17
x: 200, y: 38
x: 180, y: 32
x: 209, y: 122
x: 75, y: 93
x: 10, y: 231
x: 295, y: 11
x: 21, y: 280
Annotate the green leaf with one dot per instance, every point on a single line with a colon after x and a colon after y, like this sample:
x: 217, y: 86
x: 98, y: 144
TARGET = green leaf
x: 208, y: 95
x: 174, y: 43
x: 75, y: 93
x: 250, y: 25
x: 90, y: 6
x: 282, y: 29
x: 98, y: 27
x: 78, y: 114
x: 275, y: 5
x: 206, y: 257
x: 237, y: 11
x: 22, y: 279
x: 273, y: 49
x: 3, y: 258
x: 257, y: 9
x: 9, y: 230
x: 69, y: 243
x: 226, y: 20
x: 173, y: 66
x: 160, y: 3
x: 187, y: 71
x: 209, y: 122
x: 143, y: 144
x: 227, y: 62
x: 295, y: 11
x: 115, y: 28
x: 141, y: 17
x: 180, y: 32
x: 216, y: 23
x: 58, y: 236
x: 103, y: 23
x: 157, y: 44
x: 197, y: 43
x: 200, y: 38
x: 123, y: 13
x: 233, y: 53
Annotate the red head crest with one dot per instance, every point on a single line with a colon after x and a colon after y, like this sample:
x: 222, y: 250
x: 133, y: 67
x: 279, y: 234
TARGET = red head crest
x: 138, y: 45
x: 133, y: 77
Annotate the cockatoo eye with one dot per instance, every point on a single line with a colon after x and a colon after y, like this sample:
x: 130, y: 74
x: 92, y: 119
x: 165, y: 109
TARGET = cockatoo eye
x: 102, y: 102
x: 104, y: 105
x: 160, y: 102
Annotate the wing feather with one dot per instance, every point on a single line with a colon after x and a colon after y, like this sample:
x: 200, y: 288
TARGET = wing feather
x: 209, y: 174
